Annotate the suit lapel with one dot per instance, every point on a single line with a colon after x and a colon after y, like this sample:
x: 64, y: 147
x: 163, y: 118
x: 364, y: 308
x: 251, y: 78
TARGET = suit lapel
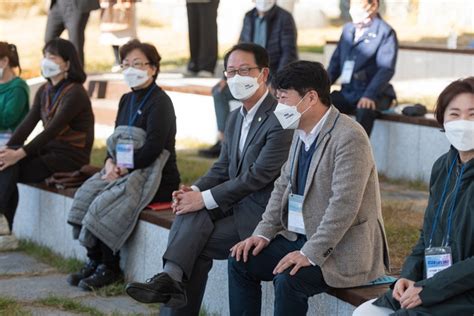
x: 294, y: 167
x: 235, y: 142
x: 259, y: 119
x: 323, y: 139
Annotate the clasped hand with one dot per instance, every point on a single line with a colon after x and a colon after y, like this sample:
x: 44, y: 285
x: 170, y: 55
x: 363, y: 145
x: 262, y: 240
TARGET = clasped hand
x: 185, y: 200
x: 407, y: 293
x: 9, y: 157
x: 112, y: 171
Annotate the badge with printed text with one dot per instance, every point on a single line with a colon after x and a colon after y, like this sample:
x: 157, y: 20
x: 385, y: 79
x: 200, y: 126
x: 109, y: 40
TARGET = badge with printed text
x: 347, y: 70
x: 295, y: 214
x: 4, y: 138
x: 124, y: 154
x: 437, y: 259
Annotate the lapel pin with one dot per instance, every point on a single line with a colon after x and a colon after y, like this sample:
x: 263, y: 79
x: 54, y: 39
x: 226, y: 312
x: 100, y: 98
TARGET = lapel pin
x: 259, y: 118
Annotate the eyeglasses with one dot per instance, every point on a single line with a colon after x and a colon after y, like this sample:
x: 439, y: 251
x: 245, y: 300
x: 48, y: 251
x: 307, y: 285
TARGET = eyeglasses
x: 244, y: 71
x: 137, y: 64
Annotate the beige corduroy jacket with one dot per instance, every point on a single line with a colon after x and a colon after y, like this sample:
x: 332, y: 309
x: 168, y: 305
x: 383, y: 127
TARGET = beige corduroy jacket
x: 341, y: 207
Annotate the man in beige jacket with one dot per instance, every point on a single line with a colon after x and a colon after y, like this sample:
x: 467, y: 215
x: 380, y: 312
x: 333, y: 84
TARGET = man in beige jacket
x: 323, y: 224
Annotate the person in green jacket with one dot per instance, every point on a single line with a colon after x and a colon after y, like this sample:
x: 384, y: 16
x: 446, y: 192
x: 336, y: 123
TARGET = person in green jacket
x: 14, y: 93
x: 437, y: 278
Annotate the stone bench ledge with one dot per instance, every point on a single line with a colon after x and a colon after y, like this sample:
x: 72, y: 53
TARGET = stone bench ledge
x: 164, y: 219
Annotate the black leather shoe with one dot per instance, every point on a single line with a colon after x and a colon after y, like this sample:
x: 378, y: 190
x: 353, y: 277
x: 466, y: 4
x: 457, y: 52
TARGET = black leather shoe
x: 212, y: 152
x: 86, y: 271
x: 102, y: 276
x: 159, y: 289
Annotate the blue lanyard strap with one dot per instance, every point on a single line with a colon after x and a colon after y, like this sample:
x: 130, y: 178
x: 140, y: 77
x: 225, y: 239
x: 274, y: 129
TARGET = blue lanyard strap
x: 55, y: 97
x: 132, y: 119
x: 453, y: 204
x: 443, y: 198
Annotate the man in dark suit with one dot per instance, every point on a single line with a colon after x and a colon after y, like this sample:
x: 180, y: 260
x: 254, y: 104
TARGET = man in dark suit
x: 364, y: 60
x: 224, y: 206
x: 269, y: 26
x: 70, y: 15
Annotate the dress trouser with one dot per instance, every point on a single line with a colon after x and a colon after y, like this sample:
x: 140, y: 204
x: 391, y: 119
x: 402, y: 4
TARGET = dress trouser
x: 194, y: 241
x: 27, y: 170
x: 64, y: 15
x: 291, y: 292
x: 202, y: 26
x: 221, y: 105
x: 365, y: 117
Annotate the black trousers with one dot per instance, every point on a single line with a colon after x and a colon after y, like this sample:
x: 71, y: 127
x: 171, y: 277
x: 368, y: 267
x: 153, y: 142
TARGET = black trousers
x: 27, y: 170
x: 291, y: 292
x: 65, y: 16
x: 365, y: 117
x: 202, y: 27
x: 100, y: 253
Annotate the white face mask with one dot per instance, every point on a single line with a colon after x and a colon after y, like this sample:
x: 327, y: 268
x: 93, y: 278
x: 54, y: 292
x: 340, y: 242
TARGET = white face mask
x: 358, y: 14
x: 135, y: 77
x: 288, y: 116
x: 243, y: 87
x: 264, y: 5
x: 460, y: 134
x: 49, y: 68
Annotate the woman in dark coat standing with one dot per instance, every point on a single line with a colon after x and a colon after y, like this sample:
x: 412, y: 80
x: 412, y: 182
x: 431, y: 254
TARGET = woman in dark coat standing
x: 65, y: 144
x: 438, y: 276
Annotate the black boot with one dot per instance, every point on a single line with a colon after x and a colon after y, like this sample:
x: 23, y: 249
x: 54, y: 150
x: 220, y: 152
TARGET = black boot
x: 87, y: 270
x: 102, y: 276
x: 159, y: 289
x: 212, y: 152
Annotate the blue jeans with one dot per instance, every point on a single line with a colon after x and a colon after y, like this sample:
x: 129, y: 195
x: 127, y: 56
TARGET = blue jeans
x: 291, y: 292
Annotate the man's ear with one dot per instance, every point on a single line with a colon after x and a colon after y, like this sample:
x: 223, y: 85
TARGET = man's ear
x: 266, y: 73
x: 313, y: 96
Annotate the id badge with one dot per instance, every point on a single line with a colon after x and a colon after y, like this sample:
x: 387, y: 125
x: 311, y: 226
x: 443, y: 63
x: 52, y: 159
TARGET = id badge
x: 4, y: 138
x: 347, y: 70
x: 124, y: 154
x: 295, y: 214
x: 437, y: 259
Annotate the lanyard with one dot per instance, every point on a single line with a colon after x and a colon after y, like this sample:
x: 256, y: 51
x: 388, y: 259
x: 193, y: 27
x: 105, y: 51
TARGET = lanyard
x: 315, y: 149
x: 132, y: 119
x: 453, y: 204
x: 55, y: 97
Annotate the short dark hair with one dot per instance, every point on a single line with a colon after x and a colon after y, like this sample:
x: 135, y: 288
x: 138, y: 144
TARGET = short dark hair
x: 10, y: 51
x: 454, y: 89
x: 148, y: 50
x: 304, y: 76
x: 260, y: 54
x: 67, y: 51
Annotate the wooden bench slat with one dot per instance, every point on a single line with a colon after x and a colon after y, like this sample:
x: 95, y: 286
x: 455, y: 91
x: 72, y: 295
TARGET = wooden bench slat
x: 161, y: 218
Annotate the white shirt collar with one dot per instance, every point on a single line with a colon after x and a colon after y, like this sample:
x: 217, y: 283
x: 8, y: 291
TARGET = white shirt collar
x: 309, y: 138
x: 251, y: 113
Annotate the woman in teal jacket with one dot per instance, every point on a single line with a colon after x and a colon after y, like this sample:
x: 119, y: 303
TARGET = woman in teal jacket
x: 438, y: 276
x: 14, y: 93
